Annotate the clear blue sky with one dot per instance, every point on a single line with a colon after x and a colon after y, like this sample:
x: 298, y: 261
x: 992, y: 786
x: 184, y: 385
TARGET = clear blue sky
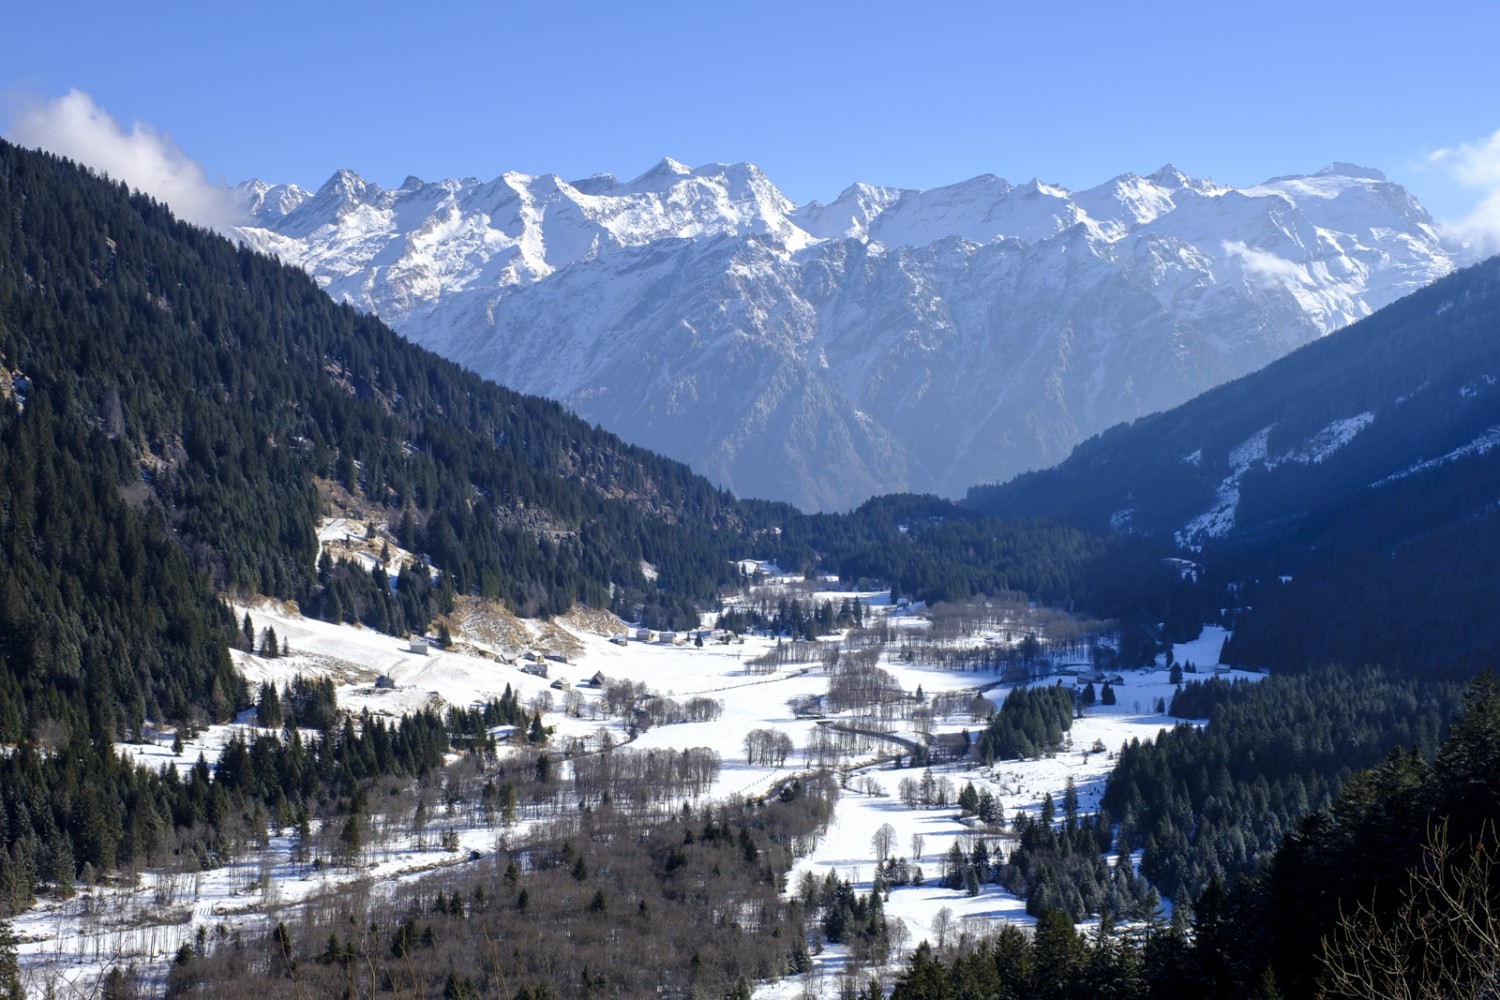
x: 819, y: 94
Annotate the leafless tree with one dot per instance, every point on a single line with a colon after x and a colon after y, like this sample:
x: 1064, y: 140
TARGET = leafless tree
x: 1443, y: 941
x: 767, y: 747
x: 942, y: 923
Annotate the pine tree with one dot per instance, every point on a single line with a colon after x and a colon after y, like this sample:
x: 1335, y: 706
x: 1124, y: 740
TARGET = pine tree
x: 10, y: 970
x: 268, y: 707
x: 351, y: 842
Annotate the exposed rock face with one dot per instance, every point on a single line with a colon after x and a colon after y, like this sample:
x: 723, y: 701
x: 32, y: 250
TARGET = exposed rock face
x: 888, y: 341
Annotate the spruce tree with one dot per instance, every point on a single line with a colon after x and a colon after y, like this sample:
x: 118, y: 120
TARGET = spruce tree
x: 10, y: 969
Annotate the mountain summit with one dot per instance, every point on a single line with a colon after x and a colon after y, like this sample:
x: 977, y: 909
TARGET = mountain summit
x: 890, y: 340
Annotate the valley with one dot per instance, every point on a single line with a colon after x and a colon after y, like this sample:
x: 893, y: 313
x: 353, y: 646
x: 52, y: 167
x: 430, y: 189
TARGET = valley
x: 144, y: 919
x: 328, y: 668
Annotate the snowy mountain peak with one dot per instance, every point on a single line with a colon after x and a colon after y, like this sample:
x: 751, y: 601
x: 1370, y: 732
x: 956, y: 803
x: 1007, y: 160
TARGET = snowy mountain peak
x: 257, y: 199
x: 1035, y: 187
x: 346, y: 185
x: 666, y: 170
x: 1351, y: 170
x: 848, y: 216
x: 1168, y: 176
x: 595, y: 184
x: 892, y: 339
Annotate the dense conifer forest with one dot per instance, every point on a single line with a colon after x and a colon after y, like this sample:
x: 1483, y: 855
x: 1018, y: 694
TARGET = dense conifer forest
x: 1387, y: 890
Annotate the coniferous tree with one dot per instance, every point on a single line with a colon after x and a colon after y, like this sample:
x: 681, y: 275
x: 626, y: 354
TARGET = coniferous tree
x: 10, y: 970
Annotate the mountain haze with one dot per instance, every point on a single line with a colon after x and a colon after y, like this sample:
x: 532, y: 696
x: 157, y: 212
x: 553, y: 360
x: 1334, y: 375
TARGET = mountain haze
x: 889, y: 340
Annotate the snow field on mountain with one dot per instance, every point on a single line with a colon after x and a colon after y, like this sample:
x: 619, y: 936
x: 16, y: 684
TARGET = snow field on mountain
x: 1219, y: 520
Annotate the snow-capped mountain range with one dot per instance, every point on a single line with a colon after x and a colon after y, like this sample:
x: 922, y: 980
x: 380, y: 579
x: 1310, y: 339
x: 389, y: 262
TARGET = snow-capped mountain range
x: 891, y: 340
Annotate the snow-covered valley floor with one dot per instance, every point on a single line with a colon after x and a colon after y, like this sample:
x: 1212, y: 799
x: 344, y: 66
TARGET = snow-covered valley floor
x: 145, y: 923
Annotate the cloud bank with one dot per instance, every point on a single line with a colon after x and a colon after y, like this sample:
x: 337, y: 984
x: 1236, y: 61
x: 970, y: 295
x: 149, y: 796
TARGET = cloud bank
x: 1477, y: 166
x: 75, y: 127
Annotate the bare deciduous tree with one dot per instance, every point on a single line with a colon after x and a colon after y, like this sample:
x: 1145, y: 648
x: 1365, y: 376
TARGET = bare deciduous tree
x: 1443, y: 941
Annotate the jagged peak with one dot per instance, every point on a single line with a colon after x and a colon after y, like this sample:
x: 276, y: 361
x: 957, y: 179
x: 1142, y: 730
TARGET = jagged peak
x: 1168, y: 174
x: 1035, y: 187
x: 862, y: 190
x: 347, y: 185
x: 267, y: 201
x: 980, y: 182
x: 1350, y: 171
x: 665, y: 167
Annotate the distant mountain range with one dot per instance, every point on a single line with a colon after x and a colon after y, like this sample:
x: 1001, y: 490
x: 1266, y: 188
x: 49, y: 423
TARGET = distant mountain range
x: 892, y: 340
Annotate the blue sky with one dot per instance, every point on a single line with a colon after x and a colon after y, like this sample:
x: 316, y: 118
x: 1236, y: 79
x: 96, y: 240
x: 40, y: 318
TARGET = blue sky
x: 818, y: 94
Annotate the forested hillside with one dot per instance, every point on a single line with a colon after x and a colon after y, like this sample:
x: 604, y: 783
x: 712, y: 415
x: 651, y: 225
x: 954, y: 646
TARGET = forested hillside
x: 226, y: 382
x: 1346, y: 492
x: 1377, y: 428
x: 1387, y: 890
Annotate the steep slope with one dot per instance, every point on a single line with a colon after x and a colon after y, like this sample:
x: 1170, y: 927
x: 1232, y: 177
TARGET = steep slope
x: 889, y: 340
x: 1361, y: 471
x: 1373, y: 415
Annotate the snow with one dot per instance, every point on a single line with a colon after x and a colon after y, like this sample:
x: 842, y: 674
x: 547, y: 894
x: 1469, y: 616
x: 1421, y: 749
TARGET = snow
x: 150, y: 920
x: 1476, y: 386
x: 1327, y: 441
x: 1483, y: 443
x: 1218, y: 520
x: 699, y: 312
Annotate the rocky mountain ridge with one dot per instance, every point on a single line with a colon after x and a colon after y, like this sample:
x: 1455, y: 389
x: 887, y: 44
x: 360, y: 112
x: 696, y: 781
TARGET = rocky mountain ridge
x: 889, y: 340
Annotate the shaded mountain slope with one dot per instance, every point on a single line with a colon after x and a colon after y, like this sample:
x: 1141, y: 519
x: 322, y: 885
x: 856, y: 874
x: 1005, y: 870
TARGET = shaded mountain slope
x: 1362, y: 469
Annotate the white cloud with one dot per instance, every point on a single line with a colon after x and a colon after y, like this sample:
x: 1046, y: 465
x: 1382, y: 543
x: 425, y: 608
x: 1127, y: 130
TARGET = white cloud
x: 1477, y: 166
x: 75, y: 127
x: 1270, y: 270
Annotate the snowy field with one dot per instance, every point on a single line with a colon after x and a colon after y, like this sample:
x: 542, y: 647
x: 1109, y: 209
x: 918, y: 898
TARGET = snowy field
x: 148, y: 922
